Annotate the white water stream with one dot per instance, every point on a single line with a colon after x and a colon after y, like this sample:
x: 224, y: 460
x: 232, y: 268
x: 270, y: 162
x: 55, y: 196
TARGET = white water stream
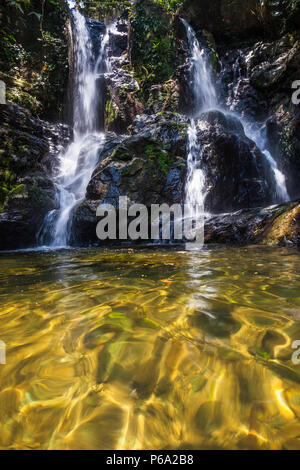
x: 78, y: 162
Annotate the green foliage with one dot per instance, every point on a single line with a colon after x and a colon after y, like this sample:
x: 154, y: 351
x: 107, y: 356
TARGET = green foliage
x: 154, y: 47
x: 52, y: 78
x: 34, y: 56
x: 9, y: 166
x: 7, y: 184
x: 170, y: 5
x: 102, y: 9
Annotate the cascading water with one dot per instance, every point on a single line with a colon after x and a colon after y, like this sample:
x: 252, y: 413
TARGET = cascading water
x: 204, y: 91
x: 205, y: 98
x: 204, y: 95
x: 79, y: 160
x: 255, y: 133
x: 240, y: 78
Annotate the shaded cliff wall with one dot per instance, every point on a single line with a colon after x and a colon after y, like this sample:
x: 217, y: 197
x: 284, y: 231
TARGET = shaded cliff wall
x: 34, y: 55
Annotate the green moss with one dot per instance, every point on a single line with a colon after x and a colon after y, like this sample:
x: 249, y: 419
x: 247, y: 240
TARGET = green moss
x: 7, y: 176
x: 159, y: 158
x: 263, y: 354
x: 177, y: 126
x: 122, y: 153
x: 214, y: 58
x: 18, y: 96
x: 110, y: 111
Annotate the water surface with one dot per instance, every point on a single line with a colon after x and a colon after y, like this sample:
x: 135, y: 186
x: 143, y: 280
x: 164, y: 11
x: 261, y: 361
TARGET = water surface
x: 150, y: 349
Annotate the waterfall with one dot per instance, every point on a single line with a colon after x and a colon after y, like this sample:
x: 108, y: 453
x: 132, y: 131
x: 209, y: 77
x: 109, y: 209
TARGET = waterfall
x: 256, y: 134
x: 205, y: 98
x: 78, y: 161
x: 204, y: 91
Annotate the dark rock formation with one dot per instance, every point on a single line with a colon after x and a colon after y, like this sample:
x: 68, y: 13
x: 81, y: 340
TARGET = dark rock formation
x: 257, y: 82
x: 149, y: 167
x: 147, y: 160
x: 28, y: 149
x: 227, y: 20
x: 97, y: 30
x: 275, y: 225
x: 121, y: 102
x: 237, y: 174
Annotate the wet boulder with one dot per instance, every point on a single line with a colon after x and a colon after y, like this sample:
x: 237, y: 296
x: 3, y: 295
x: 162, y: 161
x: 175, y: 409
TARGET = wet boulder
x: 24, y: 211
x: 148, y: 167
x: 256, y: 82
x: 274, y: 225
x: 237, y: 173
x: 97, y: 30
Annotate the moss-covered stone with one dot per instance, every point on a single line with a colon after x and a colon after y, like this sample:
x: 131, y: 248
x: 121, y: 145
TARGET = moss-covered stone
x: 284, y: 229
x: 275, y: 225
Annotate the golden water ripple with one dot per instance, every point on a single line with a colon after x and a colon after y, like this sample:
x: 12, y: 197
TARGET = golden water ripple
x: 150, y: 349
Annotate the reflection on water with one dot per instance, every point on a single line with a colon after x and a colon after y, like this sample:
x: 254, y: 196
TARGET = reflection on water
x: 124, y: 349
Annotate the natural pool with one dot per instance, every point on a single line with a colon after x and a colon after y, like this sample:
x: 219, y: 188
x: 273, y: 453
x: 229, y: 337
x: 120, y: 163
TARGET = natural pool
x: 150, y: 349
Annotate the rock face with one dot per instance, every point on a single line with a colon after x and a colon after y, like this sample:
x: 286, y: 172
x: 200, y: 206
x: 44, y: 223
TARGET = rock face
x: 149, y: 167
x: 28, y: 149
x: 120, y: 102
x: 145, y: 153
x: 275, y: 225
x: 226, y: 20
x: 257, y: 82
x: 34, y: 57
x: 237, y: 175
x: 97, y: 30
